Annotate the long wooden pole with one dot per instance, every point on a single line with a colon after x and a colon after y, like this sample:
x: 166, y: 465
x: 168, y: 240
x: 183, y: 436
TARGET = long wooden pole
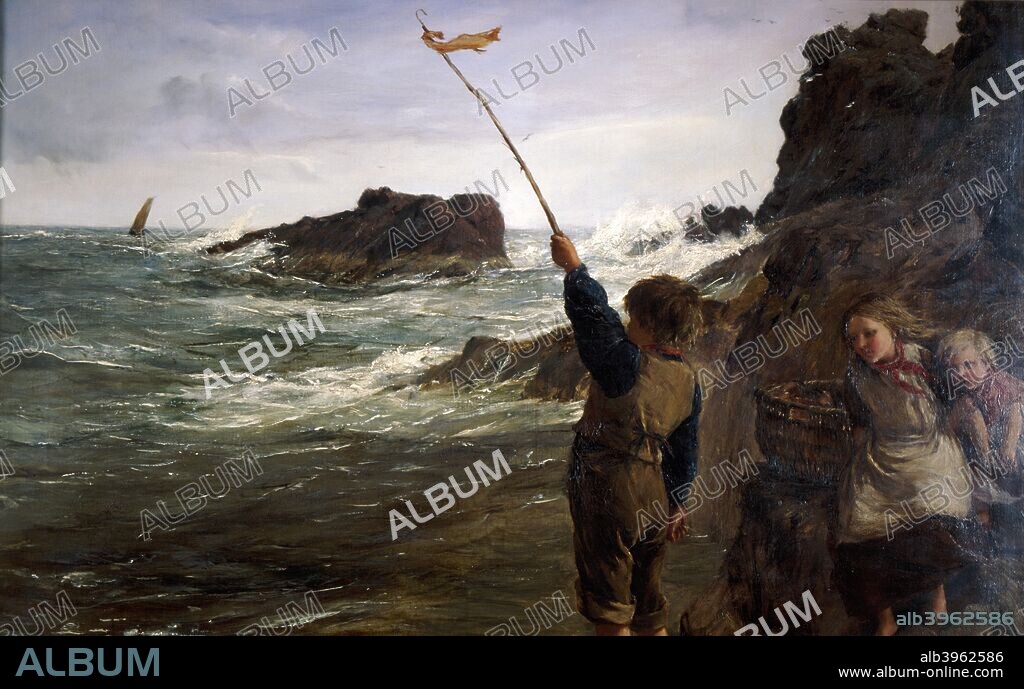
x: 504, y: 135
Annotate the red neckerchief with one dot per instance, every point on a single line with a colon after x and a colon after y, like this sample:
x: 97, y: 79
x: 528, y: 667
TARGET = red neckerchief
x: 901, y: 364
x: 662, y: 349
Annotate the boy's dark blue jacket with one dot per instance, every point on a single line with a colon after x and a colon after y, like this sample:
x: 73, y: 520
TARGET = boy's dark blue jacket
x: 613, y: 362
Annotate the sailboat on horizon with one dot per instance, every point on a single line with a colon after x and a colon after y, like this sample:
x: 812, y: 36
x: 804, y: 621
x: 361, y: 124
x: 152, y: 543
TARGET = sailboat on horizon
x: 139, y: 226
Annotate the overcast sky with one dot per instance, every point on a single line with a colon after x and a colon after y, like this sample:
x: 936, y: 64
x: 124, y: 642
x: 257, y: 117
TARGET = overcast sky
x: 641, y: 116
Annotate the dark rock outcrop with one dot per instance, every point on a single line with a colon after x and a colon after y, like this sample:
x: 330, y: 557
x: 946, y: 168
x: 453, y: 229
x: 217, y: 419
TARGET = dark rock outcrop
x: 490, y: 360
x: 647, y: 242
x: 782, y: 550
x: 832, y: 245
x: 550, y: 359
x: 729, y: 220
x: 837, y: 236
x: 883, y: 109
x: 388, y: 233
x: 698, y: 231
x: 715, y: 222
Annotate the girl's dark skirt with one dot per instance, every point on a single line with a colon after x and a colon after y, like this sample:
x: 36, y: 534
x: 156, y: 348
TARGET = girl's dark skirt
x: 878, y: 574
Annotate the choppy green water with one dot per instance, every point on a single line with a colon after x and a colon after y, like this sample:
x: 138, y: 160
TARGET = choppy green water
x: 113, y: 418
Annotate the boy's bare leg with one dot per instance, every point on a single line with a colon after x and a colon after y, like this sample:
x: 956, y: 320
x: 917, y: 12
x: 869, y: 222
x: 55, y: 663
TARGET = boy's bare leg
x: 886, y: 623
x: 611, y: 629
x: 660, y: 631
x: 939, y: 599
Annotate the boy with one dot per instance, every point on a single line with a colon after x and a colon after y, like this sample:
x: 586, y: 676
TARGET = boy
x: 636, y: 444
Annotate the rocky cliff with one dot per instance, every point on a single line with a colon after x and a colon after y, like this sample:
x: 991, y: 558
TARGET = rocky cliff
x: 890, y: 179
x: 883, y: 110
x: 887, y: 182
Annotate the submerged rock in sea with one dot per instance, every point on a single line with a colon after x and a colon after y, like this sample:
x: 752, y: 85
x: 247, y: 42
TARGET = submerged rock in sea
x: 388, y: 233
x: 715, y: 222
x: 646, y: 242
x: 550, y: 358
x: 490, y: 360
x: 699, y: 232
x: 730, y: 220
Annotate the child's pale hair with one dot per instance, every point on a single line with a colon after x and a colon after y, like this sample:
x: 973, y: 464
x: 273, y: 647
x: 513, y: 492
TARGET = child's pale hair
x: 890, y: 312
x: 960, y: 340
x: 668, y: 307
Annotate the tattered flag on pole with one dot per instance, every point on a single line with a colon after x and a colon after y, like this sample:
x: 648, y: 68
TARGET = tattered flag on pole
x: 465, y: 41
x: 477, y: 42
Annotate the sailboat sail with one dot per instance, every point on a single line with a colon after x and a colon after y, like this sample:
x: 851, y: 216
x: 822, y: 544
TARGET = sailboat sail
x: 139, y: 226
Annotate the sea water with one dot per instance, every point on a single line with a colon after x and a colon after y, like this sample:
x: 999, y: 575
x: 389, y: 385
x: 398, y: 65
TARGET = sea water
x: 112, y: 419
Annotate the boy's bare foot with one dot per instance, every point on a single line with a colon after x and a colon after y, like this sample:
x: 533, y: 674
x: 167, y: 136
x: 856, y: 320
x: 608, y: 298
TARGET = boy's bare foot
x: 939, y: 599
x: 984, y: 518
x: 886, y: 623
x: 611, y: 629
x: 887, y: 629
x: 661, y: 631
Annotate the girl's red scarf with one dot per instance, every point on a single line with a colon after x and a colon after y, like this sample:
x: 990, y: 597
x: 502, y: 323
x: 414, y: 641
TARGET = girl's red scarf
x: 901, y: 370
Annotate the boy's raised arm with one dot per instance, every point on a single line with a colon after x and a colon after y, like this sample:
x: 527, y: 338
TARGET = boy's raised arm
x: 601, y: 339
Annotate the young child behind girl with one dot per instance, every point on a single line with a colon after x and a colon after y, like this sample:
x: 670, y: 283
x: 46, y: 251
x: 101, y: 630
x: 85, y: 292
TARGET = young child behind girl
x: 988, y: 407
x: 904, y: 451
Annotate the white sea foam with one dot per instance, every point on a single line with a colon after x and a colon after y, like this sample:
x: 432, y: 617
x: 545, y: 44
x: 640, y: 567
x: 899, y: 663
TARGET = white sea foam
x: 272, y: 398
x: 235, y: 229
x: 632, y: 229
x: 526, y: 252
x: 620, y: 251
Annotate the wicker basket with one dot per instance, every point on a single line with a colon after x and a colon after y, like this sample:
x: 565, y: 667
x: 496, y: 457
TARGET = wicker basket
x: 803, y: 430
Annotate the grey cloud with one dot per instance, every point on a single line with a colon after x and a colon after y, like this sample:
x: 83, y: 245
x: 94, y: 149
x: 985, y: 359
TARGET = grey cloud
x: 182, y: 95
x: 57, y: 132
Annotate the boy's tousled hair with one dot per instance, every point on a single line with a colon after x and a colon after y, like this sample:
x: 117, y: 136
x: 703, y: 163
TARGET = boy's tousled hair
x: 890, y: 312
x: 668, y: 307
x: 958, y: 341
